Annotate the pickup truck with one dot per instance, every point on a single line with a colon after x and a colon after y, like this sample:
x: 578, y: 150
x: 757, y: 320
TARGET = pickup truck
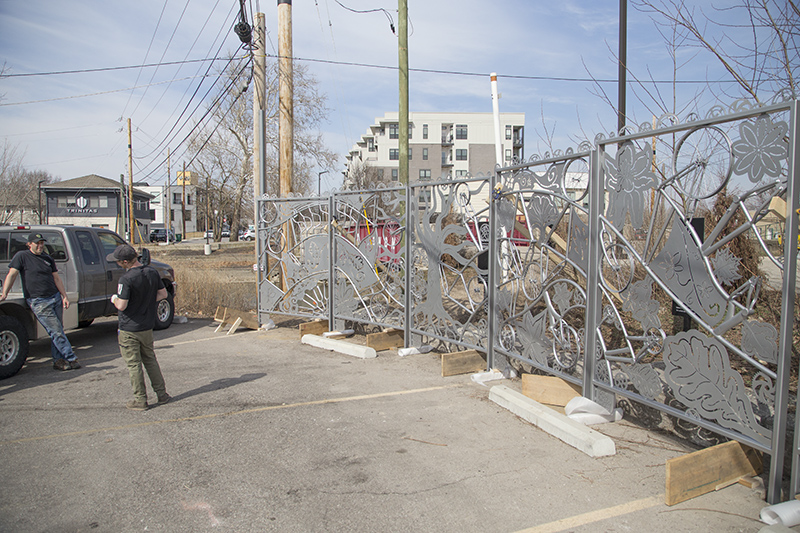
x: 90, y: 280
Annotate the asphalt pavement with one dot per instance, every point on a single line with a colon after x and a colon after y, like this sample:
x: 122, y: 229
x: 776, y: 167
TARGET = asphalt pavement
x: 267, y: 434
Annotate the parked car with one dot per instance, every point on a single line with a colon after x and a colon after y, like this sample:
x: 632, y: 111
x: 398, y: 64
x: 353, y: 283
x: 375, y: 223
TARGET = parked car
x: 160, y: 235
x: 226, y: 233
x: 90, y: 280
x: 249, y: 235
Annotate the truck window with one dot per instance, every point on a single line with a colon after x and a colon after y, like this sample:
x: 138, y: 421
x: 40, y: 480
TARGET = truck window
x: 53, y: 246
x: 4, y: 247
x: 88, y: 248
x: 109, y: 241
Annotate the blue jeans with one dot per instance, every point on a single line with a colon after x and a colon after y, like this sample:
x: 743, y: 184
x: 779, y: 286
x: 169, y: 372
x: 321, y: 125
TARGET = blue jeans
x: 49, y: 312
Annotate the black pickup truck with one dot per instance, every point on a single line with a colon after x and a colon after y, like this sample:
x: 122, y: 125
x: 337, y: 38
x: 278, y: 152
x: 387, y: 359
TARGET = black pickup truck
x: 90, y: 280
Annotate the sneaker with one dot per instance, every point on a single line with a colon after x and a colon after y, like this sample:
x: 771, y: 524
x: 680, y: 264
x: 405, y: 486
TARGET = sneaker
x: 137, y: 405
x: 74, y: 364
x: 61, y: 364
x: 164, y: 398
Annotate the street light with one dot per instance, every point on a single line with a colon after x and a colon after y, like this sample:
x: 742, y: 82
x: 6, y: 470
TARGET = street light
x: 319, y: 181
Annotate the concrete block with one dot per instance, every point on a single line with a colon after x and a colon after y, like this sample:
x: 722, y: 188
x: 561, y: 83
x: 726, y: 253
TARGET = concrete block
x: 344, y: 347
x: 575, y: 434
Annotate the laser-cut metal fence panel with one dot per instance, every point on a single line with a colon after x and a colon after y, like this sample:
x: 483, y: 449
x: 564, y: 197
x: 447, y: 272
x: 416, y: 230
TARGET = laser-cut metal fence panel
x: 541, y: 226
x: 294, y: 256
x: 724, y: 374
x: 448, y: 274
x: 370, y: 264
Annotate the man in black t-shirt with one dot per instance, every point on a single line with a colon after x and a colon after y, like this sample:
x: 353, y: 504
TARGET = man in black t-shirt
x: 137, y: 293
x: 45, y: 293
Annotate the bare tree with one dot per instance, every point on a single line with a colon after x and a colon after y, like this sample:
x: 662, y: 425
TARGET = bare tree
x: 225, y: 146
x: 362, y: 176
x: 19, y: 188
x: 756, y: 41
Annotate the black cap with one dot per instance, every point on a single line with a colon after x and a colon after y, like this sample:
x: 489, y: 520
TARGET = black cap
x: 36, y: 237
x: 124, y: 252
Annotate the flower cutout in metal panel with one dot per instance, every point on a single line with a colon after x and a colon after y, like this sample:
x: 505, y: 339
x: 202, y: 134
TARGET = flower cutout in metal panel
x: 629, y: 177
x: 761, y: 148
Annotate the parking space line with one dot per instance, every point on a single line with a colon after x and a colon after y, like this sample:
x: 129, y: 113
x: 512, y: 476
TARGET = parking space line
x: 231, y: 413
x: 597, y: 516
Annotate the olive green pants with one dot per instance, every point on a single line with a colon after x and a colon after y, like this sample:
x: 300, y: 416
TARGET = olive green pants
x: 137, y: 351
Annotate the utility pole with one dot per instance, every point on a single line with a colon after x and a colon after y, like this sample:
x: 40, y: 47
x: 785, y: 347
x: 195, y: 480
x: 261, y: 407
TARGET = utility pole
x: 402, y: 48
x: 131, y: 217
x: 285, y: 97
x: 122, y: 207
x: 259, y: 124
x: 169, y: 193
x: 183, y: 199
x: 167, y: 200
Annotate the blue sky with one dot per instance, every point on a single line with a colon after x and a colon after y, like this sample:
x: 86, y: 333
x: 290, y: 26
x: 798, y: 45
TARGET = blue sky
x: 75, y: 124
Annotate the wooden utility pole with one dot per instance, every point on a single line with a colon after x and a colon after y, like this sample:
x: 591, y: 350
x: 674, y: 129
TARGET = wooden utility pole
x: 402, y: 36
x: 259, y: 105
x: 131, y: 217
x: 259, y: 124
x: 168, y: 200
x: 285, y: 97
x: 183, y: 200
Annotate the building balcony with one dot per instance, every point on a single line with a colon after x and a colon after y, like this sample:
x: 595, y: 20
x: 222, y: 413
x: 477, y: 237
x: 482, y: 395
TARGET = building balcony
x: 447, y: 139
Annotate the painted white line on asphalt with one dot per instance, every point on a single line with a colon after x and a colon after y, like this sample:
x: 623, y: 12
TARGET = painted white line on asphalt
x: 597, y: 516
x: 231, y: 413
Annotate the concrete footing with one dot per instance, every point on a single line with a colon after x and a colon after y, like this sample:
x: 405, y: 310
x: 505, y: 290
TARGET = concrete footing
x: 347, y: 348
x: 573, y: 433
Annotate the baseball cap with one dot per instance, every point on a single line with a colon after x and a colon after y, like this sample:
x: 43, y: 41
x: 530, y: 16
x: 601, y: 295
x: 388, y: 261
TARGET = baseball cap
x: 123, y: 252
x: 36, y: 237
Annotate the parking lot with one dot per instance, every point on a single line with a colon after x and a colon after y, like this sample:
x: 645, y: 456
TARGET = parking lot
x: 267, y: 434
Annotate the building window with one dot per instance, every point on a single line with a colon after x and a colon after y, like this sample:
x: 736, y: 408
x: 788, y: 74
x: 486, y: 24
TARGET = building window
x: 394, y: 154
x: 380, y: 173
x: 424, y: 131
x: 409, y: 154
x: 394, y: 131
x: 424, y: 154
x: 461, y: 173
x: 461, y: 131
x: 425, y: 174
x: 172, y: 214
x: 394, y: 174
x: 103, y: 201
x: 508, y: 133
x: 410, y: 129
x: 371, y: 144
x: 424, y: 198
x: 176, y: 198
x: 188, y: 199
x: 461, y: 154
x: 508, y: 155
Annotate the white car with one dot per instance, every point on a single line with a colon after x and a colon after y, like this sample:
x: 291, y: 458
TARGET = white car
x: 249, y: 235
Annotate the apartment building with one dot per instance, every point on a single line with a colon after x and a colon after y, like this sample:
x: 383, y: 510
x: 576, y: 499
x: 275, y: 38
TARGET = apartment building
x: 441, y: 145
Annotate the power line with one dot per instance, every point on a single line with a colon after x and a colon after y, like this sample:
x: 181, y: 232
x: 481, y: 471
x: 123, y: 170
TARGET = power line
x: 109, y: 69
x: 382, y: 67
x: 100, y: 93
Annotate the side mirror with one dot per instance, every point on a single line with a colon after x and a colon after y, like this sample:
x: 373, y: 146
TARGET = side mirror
x: 145, y: 257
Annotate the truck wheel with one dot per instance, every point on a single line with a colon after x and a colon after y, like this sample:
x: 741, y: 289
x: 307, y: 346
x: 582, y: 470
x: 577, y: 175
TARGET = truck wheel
x: 165, y: 311
x: 13, y: 346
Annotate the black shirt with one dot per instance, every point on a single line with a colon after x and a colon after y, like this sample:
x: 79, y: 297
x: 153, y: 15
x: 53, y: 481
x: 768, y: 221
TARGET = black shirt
x: 139, y: 286
x: 37, y: 274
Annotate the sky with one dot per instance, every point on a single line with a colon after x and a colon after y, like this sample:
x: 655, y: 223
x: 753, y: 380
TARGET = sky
x: 74, y: 74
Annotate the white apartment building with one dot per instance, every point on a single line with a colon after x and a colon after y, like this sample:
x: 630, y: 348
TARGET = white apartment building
x: 175, y: 203
x: 440, y: 145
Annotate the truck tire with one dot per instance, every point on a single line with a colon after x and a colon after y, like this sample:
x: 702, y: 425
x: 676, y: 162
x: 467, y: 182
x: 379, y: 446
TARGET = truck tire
x: 165, y: 312
x: 13, y: 346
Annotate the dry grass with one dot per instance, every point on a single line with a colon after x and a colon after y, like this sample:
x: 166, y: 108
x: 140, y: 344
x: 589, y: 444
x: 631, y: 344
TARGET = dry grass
x: 223, y: 279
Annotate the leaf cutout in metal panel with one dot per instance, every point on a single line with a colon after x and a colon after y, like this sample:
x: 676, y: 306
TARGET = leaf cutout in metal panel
x: 700, y: 375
